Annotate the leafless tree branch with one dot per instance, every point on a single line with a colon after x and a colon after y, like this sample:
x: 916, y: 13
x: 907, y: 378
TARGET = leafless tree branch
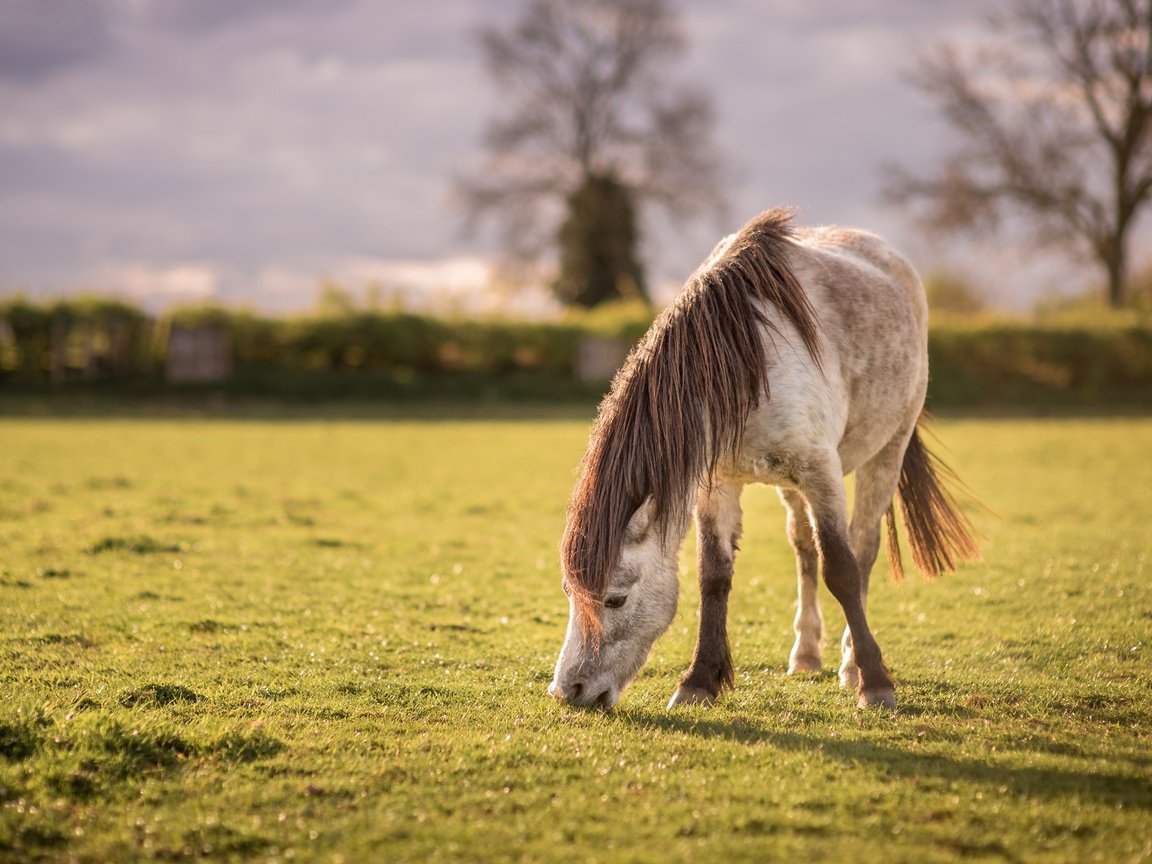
x: 1053, y: 120
x: 587, y: 93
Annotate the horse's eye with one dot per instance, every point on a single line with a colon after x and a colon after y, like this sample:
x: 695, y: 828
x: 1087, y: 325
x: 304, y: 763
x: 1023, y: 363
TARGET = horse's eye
x: 615, y: 601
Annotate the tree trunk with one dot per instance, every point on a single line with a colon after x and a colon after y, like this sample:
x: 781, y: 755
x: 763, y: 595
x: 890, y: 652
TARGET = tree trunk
x: 1115, y: 260
x: 598, y: 240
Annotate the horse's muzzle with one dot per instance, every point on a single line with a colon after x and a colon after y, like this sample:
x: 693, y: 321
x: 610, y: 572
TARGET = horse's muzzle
x: 584, y: 694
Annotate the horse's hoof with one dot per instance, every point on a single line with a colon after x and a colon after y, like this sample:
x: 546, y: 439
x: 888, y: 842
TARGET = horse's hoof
x: 687, y: 695
x: 850, y: 677
x: 804, y: 663
x: 878, y: 697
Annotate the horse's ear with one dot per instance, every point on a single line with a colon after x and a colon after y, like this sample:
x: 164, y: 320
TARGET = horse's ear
x: 640, y: 521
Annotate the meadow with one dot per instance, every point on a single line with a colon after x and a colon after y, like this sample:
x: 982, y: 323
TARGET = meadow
x: 329, y: 640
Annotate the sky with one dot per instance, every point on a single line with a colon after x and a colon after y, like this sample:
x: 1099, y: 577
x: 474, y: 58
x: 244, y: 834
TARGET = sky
x: 182, y: 151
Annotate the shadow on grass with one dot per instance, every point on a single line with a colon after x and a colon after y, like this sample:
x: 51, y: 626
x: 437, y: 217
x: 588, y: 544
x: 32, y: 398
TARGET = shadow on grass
x: 1104, y: 787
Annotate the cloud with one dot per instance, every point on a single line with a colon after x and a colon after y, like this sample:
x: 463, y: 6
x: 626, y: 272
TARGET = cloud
x: 206, y: 16
x: 319, y: 139
x: 161, y: 286
x: 39, y: 37
x: 454, y: 275
x: 462, y: 283
x: 275, y: 143
x: 469, y: 284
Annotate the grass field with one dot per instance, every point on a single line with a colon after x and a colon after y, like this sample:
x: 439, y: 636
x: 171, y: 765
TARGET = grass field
x: 330, y: 641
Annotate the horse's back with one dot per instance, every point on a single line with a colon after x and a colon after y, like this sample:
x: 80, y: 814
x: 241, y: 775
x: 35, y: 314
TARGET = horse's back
x: 869, y: 262
x: 872, y: 317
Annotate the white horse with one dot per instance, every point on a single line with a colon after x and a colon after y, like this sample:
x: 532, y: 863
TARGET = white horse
x: 792, y: 357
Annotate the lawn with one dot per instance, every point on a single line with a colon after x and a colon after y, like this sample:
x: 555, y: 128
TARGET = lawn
x: 278, y: 640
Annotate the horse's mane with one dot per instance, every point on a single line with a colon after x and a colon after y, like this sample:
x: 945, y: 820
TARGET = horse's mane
x: 681, y: 400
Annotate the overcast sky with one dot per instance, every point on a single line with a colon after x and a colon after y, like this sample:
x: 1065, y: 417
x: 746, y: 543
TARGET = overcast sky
x: 178, y: 150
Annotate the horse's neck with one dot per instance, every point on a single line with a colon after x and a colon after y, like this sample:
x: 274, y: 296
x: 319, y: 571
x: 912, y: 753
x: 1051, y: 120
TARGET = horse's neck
x: 672, y: 528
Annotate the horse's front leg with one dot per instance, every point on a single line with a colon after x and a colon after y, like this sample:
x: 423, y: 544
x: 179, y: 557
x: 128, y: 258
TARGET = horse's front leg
x: 876, y: 483
x: 717, y: 533
x: 823, y: 487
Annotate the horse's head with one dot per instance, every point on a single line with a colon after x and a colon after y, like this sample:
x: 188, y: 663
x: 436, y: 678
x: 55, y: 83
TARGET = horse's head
x: 609, y: 636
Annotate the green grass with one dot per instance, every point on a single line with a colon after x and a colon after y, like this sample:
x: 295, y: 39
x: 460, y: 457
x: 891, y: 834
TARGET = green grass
x: 254, y: 640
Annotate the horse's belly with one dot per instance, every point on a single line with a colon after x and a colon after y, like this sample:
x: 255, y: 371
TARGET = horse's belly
x: 809, y: 414
x: 772, y: 469
x: 789, y: 431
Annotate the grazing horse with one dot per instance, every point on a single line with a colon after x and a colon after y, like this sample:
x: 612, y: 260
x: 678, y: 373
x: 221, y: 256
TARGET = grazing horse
x: 792, y: 357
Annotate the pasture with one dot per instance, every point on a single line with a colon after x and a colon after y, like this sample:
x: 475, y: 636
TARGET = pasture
x: 278, y: 640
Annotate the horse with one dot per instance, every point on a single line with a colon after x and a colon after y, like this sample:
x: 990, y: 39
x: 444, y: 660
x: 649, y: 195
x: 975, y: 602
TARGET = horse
x: 792, y: 357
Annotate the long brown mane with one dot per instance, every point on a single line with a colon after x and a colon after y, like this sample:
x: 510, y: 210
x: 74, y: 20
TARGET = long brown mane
x: 681, y: 400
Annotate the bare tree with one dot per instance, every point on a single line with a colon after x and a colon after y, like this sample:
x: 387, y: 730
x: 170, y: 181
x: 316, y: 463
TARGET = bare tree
x: 590, y: 106
x: 1054, y: 122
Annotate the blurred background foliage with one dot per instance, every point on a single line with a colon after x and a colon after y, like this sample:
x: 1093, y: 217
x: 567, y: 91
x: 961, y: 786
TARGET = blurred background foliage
x: 1072, y: 353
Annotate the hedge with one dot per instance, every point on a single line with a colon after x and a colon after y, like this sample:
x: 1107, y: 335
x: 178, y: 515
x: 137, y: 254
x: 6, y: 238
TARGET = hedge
x: 989, y: 363
x: 1006, y: 364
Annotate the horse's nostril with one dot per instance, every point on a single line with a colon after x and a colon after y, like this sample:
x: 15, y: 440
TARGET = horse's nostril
x: 603, y: 699
x: 575, y: 692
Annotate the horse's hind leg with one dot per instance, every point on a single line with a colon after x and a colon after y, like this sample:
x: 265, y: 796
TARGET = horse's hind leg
x: 717, y: 532
x: 808, y: 624
x: 876, y: 482
x: 822, y: 485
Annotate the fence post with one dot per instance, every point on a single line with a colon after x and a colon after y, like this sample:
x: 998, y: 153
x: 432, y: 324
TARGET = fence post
x: 58, y: 350
x: 598, y: 357
x: 197, y: 355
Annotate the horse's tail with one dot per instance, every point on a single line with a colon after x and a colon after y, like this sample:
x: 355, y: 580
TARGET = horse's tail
x: 938, y: 532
